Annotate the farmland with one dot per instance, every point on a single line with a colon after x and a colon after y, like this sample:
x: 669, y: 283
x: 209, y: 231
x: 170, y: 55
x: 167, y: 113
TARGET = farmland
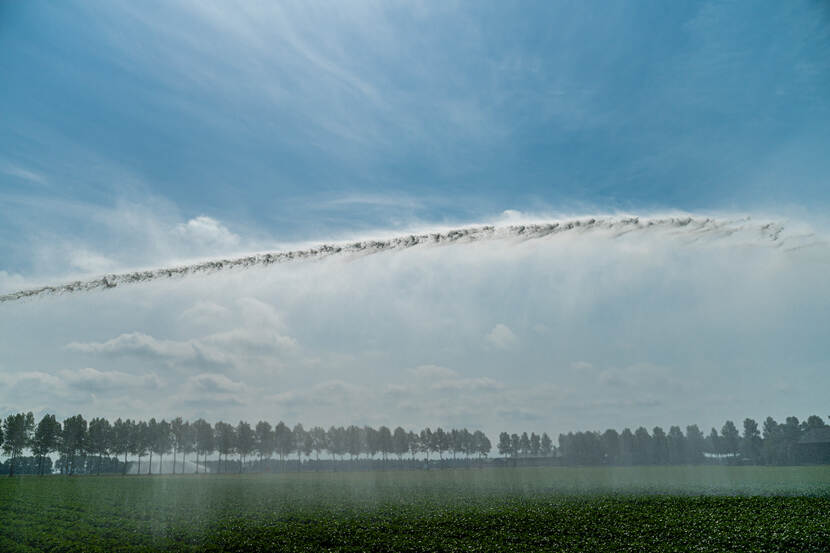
x: 511, y: 509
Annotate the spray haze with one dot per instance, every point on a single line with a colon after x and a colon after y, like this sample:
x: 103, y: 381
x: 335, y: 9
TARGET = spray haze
x: 555, y: 324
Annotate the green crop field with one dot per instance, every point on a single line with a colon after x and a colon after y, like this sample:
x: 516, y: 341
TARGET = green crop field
x: 509, y: 509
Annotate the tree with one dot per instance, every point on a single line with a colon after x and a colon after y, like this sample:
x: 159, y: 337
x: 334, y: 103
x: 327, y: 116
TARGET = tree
x: 308, y: 444
x: 140, y: 441
x: 100, y: 438
x: 730, y: 439
x: 354, y: 442
x: 713, y: 443
x: 245, y: 441
x: 524, y: 444
x: 122, y: 431
x: 318, y: 440
x: 414, y: 443
x: 751, y: 441
x: 467, y: 443
x: 385, y: 442
x: 400, y: 442
x: 188, y: 444
x: 482, y: 443
x: 425, y: 441
x: 515, y: 444
x: 790, y: 434
x: 439, y: 442
x: 338, y: 441
x: 74, y: 437
x: 505, y: 446
x: 225, y: 441
x: 454, y: 441
x: 298, y: 435
x: 627, y: 447
x: 812, y: 422
x: 177, y: 430
x: 150, y: 440
x: 283, y: 440
x: 205, y: 442
x: 46, y: 439
x: 695, y: 444
x: 264, y: 444
x: 17, y: 432
x: 565, y: 444
x: 535, y: 444
x: 642, y: 447
x: 659, y: 446
x: 676, y: 446
x: 611, y: 446
x: 371, y: 441
x: 771, y: 451
x: 547, y: 444
x: 162, y: 441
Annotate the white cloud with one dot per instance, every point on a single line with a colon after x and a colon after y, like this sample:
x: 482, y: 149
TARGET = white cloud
x: 137, y: 343
x: 204, y: 312
x: 31, y: 378
x: 206, y: 232
x: 213, y: 392
x: 22, y: 173
x: 433, y: 372
x: 501, y: 337
x: 215, y: 384
x: 468, y: 384
x: 90, y: 379
x: 332, y: 395
x: 643, y: 376
x: 252, y: 342
x: 88, y: 261
x: 11, y: 282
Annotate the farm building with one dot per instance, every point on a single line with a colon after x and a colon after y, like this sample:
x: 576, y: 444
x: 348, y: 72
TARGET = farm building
x: 814, y: 446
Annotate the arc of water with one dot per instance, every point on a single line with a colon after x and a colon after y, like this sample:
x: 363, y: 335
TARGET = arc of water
x: 770, y: 232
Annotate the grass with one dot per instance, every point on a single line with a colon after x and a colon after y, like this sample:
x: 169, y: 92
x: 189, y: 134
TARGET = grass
x: 510, y: 509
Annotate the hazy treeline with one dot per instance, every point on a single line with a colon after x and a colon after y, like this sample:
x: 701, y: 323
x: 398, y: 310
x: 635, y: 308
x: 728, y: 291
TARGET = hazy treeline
x: 96, y: 446
x: 77, y: 441
x: 772, y: 443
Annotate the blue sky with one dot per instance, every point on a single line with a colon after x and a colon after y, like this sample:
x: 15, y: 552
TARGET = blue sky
x: 298, y: 120
x: 134, y: 135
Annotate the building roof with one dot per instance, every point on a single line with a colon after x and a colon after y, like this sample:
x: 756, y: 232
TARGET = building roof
x: 816, y: 436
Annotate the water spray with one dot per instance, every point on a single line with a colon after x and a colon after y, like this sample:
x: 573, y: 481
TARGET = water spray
x: 693, y: 227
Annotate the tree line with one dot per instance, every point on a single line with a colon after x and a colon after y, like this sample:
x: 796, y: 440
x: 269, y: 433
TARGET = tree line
x: 76, y: 439
x: 772, y: 443
x: 98, y: 445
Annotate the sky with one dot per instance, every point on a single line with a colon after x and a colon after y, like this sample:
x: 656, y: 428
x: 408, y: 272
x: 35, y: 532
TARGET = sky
x: 146, y: 135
